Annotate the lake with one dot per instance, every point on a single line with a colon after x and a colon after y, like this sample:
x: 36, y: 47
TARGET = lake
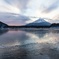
x: 29, y: 44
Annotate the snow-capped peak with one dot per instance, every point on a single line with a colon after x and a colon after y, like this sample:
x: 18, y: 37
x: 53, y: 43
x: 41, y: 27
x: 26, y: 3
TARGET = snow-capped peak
x: 39, y: 20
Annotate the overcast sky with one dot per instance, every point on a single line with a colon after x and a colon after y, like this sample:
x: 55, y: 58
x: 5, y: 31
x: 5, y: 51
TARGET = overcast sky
x: 17, y: 12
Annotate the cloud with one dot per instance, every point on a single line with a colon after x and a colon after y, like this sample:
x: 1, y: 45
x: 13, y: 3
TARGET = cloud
x: 41, y: 8
x: 52, y: 7
x: 15, y: 19
x: 21, y: 4
x: 14, y: 10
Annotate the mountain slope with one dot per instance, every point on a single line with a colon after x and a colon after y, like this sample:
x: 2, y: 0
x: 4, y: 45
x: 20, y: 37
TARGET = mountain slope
x: 39, y: 22
x: 2, y: 25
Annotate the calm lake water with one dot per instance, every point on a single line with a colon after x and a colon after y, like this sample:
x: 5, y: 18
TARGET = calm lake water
x: 29, y: 44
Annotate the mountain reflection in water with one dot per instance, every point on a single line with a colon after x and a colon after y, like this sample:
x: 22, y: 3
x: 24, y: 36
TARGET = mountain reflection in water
x: 41, y: 44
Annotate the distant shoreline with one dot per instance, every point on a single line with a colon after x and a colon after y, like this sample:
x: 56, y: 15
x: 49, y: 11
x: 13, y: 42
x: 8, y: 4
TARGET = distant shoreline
x: 30, y: 26
x: 24, y: 26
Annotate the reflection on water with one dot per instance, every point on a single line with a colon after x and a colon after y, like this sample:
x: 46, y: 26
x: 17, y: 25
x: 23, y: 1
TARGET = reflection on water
x: 3, y: 31
x: 41, y: 44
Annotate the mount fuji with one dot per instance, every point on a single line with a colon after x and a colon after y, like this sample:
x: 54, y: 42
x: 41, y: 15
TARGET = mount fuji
x: 39, y: 22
